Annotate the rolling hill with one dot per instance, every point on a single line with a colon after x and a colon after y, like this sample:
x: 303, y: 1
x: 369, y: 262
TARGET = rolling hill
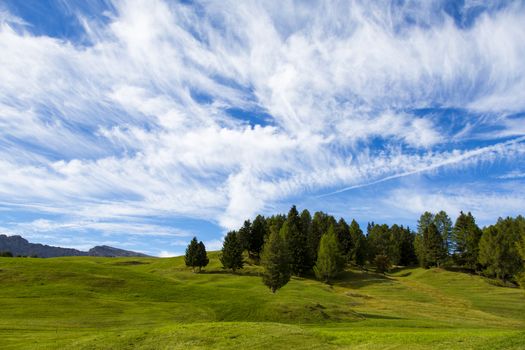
x: 147, y: 303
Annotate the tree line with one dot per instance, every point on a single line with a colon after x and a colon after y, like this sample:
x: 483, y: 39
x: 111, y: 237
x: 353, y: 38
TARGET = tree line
x: 298, y: 244
x: 8, y: 254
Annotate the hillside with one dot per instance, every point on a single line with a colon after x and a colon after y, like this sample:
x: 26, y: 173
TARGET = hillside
x: 102, y: 303
x: 20, y: 246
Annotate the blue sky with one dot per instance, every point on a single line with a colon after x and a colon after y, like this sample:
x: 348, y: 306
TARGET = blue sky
x: 139, y: 124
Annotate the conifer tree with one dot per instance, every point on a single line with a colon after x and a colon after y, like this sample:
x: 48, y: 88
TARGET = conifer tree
x: 231, y: 253
x: 424, y: 221
x: 498, y: 251
x: 521, y: 242
x: 382, y: 263
x: 306, y: 227
x: 297, y: 243
x: 320, y: 224
x: 342, y: 232
x: 419, y: 248
x: 466, y: 235
x: 256, y: 238
x: 396, y: 237
x: 191, y: 257
x: 244, y: 235
x: 433, y: 245
x: 429, y: 243
x: 359, y: 250
x: 328, y: 257
x: 521, y: 246
x: 444, y: 226
x: 407, y: 252
x: 276, y: 261
x: 274, y: 223
x: 429, y: 246
x: 202, y: 256
x: 379, y: 241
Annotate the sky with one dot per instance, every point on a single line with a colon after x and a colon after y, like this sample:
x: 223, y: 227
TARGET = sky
x: 142, y: 123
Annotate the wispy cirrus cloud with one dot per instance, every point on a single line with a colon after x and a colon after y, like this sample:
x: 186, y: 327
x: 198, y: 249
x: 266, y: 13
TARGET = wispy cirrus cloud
x: 135, y: 120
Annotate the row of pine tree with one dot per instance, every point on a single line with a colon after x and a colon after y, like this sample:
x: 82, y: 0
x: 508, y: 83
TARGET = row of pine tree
x: 299, y: 244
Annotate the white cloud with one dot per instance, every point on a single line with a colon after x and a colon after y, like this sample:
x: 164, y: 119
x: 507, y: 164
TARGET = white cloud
x: 168, y: 254
x: 514, y: 174
x: 486, y: 206
x: 136, y: 124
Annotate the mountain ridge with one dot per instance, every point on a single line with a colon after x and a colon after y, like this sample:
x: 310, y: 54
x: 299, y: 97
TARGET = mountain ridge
x: 18, y: 245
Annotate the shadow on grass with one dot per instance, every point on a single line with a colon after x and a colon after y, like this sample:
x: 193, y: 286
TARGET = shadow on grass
x: 350, y: 279
x: 229, y: 272
x: 379, y: 317
x: 130, y: 262
x: 400, y: 269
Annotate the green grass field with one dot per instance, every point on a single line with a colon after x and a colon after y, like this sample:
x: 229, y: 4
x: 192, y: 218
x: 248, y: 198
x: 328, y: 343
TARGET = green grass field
x: 147, y: 303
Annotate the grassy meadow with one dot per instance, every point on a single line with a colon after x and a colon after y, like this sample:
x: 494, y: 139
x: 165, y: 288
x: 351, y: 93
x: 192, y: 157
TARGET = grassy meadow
x: 150, y: 303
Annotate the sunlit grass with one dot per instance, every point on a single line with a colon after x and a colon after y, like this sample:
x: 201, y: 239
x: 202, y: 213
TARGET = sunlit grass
x: 108, y: 303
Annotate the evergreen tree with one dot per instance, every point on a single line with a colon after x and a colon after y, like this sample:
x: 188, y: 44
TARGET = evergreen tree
x: 306, y: 227
x: 244, y: 235
x: 407, y: 250
x: 320, y: 224
x: 359, y: 250
x: 444, y: 226
x: 328, y: 258
x: 382, y: 263
x: 466, y: 235
x: 276, y: 261
x: 274, y: 223
x: 342, y: 232
x: 419, y: 248
x: 297, y: 243
x: 202, y: 256
x: 428, y: 243
x: 191, y: 257
x: 379, y: 241
x: 498, y: 251
x: 521, y: 242
x: 433, y: 245
x: 424, y: 221
x: 306, y: 222
x: 397, y: 234
x: 231, y: 253
x: 256, y: 239
x: 521, y: 246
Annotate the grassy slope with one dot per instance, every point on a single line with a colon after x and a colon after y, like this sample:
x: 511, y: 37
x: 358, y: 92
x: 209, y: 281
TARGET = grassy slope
x: 99, y: 303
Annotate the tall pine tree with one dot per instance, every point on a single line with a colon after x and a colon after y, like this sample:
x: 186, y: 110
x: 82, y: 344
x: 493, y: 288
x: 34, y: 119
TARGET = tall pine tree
x: 276, y: 261
x: 359, y: 250
x: 231, y: 253
x: 434, y: 247
x: 306, y: 227
x: 466, y: 235
x: 274, y: 223
x: 444, y: 226
x: 342, y: 232
x: 498, y: 251
x: 407, y: 254
x: 191, y: 258
x: 328, y: 258
x: 320, y: 224
x: 244, y: 234
x: 428, y: 243
x: 297, y: 243
x: 256, y: 238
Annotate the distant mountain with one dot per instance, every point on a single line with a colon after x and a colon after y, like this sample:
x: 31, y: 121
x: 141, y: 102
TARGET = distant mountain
x: 104, y: 250
x: 20, y: 246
